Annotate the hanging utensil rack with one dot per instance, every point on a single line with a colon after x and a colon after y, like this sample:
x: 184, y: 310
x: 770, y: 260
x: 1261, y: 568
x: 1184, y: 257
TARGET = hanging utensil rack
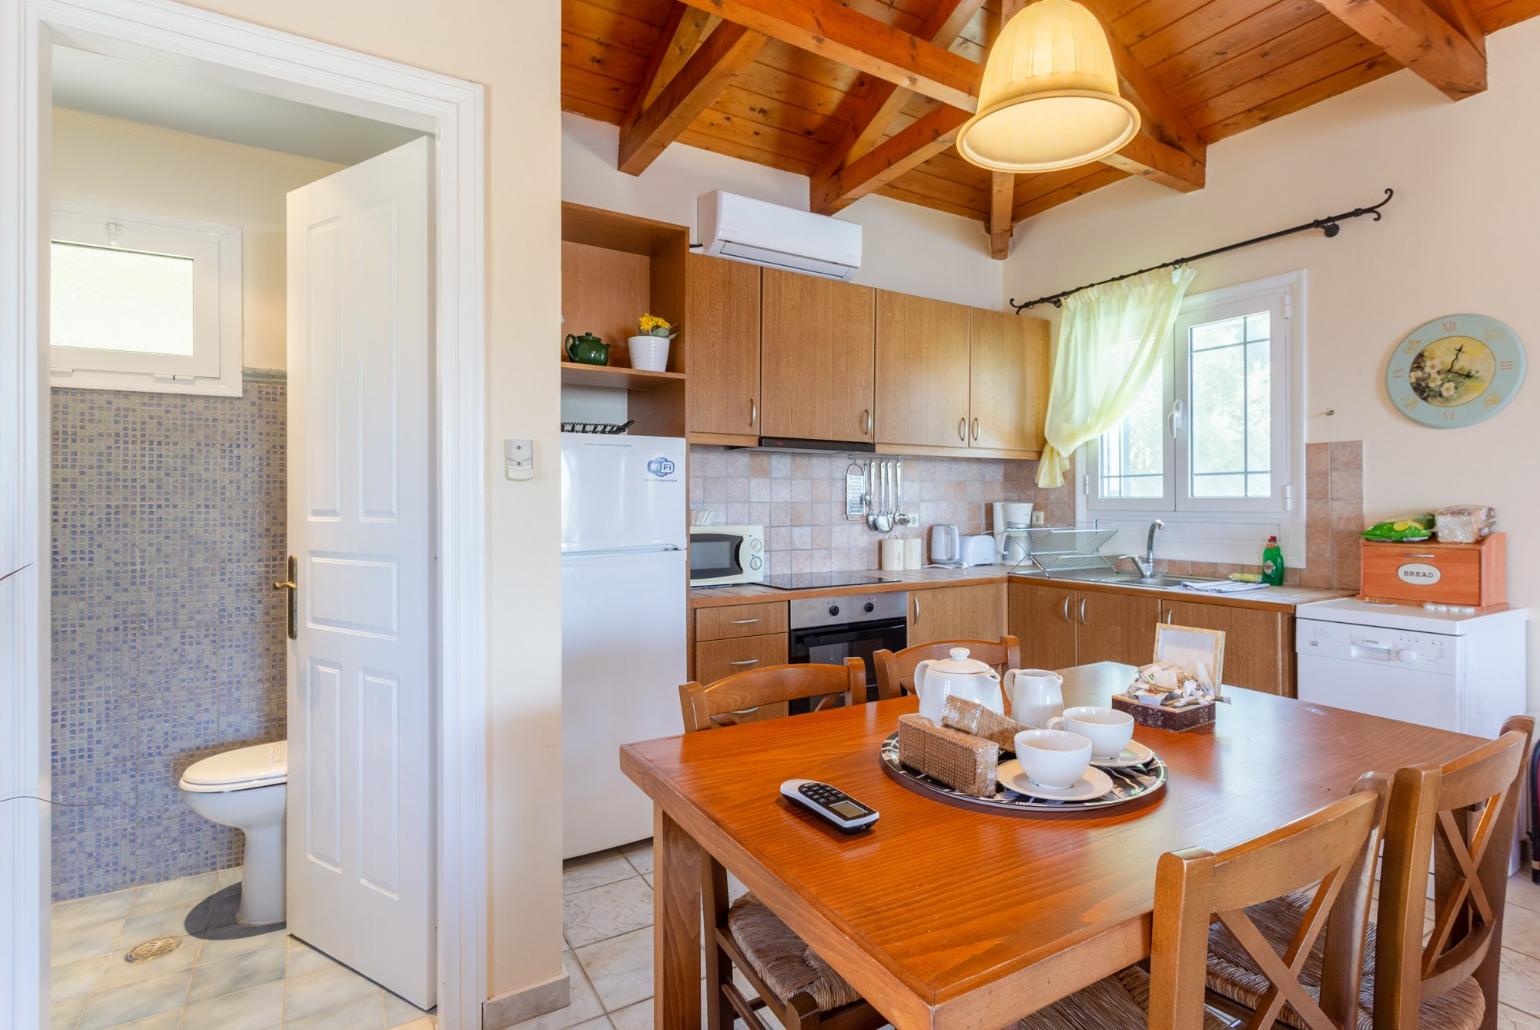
x: 884, y: 495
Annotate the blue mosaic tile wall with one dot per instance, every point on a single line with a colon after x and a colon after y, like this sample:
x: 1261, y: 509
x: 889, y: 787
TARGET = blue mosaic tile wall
x: 168, y: 639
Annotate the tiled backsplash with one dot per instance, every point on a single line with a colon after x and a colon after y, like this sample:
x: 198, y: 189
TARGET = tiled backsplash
x: 799, y: 499
x: 168, y: 530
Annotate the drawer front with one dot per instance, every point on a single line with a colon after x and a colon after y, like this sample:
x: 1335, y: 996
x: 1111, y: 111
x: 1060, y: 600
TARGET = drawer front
x: 740, y: 620
x: 1418, y: 572
x: 715, y: 659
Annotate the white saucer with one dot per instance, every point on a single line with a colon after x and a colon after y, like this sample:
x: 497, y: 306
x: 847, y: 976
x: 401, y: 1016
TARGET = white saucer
x: 1092, y: 785
x: 1134, y: 754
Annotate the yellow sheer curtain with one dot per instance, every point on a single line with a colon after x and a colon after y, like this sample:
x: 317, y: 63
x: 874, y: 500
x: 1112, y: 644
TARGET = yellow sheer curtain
x: 1111, y: 340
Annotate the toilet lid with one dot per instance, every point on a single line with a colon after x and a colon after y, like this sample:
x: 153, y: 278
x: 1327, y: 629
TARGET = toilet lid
x: 257, y: 765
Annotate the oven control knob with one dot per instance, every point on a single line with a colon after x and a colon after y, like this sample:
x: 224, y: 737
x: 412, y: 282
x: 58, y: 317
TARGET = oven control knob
x: 756, y: 563
x: 869, y: 607
x: 1406, y: 656
x: 834, y: 609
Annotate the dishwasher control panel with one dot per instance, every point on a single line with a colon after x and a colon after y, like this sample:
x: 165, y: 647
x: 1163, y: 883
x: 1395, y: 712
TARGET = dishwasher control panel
x: 1423, y: 652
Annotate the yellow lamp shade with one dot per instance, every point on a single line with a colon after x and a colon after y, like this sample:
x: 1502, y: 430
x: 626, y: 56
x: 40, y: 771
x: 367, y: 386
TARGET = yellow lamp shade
x: 1049, y: 98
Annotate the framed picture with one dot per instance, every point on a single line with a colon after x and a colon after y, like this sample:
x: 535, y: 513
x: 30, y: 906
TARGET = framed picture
x: 1189, y: 647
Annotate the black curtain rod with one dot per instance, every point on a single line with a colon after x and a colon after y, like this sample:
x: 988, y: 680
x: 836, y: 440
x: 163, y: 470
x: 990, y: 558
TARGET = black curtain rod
x: 1330, y: 225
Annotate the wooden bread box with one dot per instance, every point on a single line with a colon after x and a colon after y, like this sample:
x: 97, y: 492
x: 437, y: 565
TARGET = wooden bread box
x: 1460, y: 575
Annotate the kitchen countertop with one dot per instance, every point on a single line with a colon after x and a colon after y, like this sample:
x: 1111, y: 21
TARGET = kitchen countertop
x: 1284, y: 599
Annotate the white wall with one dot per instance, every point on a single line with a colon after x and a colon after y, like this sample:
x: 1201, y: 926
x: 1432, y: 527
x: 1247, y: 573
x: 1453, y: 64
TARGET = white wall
x: 904, y: 247
x: 1459, y: 236
x: 143, y: 168
x: 514, y: 49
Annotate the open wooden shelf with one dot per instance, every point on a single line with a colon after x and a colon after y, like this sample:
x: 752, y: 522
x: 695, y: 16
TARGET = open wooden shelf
x: 616, y: 378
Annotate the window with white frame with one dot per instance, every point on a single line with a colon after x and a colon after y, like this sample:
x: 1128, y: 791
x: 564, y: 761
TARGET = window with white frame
x: 142, y: 302
x: 1214, y: 446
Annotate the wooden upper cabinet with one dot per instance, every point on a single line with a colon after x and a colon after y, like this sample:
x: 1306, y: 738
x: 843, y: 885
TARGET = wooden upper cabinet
x: 816, y: 368
x: 721, y: 323
x: 1008, y: 381
x: 922, y: 371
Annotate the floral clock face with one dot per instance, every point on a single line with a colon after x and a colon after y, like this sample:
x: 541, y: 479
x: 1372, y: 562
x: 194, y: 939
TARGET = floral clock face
x: 1455, y: 371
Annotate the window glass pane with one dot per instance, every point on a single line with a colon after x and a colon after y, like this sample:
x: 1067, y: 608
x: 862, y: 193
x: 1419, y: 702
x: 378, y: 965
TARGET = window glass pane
x: 1231, y: 396
x: 121, y: 300
x: 1132, y: 456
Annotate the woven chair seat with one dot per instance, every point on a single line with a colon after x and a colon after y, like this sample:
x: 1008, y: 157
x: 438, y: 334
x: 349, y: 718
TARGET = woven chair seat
x: 784, y: 963
x: 1232, y: 974
x: 1111, y: 1003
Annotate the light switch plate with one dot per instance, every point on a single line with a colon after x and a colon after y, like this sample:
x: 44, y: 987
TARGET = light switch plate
x: 519, y: 459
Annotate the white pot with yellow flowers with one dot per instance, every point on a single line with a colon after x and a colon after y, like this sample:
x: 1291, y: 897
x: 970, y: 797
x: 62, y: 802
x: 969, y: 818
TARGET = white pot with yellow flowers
x: 649, y: 349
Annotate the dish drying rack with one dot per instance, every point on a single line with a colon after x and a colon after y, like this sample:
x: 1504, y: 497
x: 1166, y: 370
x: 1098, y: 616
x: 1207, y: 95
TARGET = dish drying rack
x: 1069, y: 548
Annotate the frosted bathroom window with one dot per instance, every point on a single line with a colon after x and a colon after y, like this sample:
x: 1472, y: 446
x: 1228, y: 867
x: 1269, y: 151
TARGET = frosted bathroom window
x: 112, y: 299
x: 143, y: 302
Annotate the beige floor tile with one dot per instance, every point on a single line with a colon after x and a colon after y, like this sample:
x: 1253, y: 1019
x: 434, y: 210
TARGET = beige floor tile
x: 180, y: 920
x: 639, y: 855
x: 75, y: 979
x: 620, y: 968
x: 421, y: 1023
x: 329, y: 989
x: 1524, y: 892
x: 163, y: 1021
x: 101, y: 908
x: 1520, y: 983
x: 136, y: 1000
x: 225, y: 877
x: 633, y: 1017
x: 219, y: 949
x: 1510, y: 1018
x: 65, y: 1013
x: 1521, y: 930
x: 303, y: 959
x: 184, y: 892
x: 237, y: 973
x: 118, y: 970
x: 255, y: 1008
x: 600, y: 1023
x: 93, y: 940
x: 399, y: 1011
x: 585, y: 1004
x: 607, y: 911
x: 589, y: 871
x: 354, y: 1014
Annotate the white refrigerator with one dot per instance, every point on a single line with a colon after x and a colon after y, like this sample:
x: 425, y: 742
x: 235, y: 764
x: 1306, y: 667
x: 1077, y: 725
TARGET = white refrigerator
x: 623, y: 604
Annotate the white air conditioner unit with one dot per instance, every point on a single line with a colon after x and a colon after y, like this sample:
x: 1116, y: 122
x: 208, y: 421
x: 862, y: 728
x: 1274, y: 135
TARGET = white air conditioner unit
x: 762, y: 233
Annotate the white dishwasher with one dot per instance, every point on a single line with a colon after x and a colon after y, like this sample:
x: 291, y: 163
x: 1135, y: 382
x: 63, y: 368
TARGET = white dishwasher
x: 1453, y: 671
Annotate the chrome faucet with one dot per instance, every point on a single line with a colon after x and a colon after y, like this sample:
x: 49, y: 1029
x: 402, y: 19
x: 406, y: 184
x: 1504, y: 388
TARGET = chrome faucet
x: 1146, y: 565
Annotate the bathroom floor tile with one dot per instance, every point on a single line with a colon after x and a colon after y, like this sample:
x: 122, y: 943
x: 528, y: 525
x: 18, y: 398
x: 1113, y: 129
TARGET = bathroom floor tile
x: 90, y: 941
x: 399, y: 1011
x: 303, y: 959
x: 248, y: 969
x: 183, y: 892
x: 616, y: 908
x: 255, y: 1008
x: 135, y: 1001
x: 334, y: 988
x: 117, y: 971
x: 75, y: 979
x: 82, y: 912
x: 620, y: 968
x: 366, y: 1013
x: 64, y: 1014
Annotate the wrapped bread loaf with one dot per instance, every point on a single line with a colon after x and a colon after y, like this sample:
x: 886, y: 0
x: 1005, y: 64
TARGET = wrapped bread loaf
x: 959, y: 760
x: 972, y: 717
x: 1463, y: 523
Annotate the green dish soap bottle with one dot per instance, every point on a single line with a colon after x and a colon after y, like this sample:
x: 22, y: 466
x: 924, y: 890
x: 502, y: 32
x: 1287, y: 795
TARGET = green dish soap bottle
x: 1272, y: 563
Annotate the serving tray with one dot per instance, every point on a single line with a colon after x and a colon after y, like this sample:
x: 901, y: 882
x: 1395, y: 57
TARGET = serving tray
x: 1008, y: 802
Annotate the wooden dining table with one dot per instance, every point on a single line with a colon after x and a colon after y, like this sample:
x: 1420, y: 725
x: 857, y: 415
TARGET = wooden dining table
x: 951, y: 917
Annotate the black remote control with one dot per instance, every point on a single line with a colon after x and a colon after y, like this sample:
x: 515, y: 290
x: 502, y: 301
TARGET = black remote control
x: 831, y: 803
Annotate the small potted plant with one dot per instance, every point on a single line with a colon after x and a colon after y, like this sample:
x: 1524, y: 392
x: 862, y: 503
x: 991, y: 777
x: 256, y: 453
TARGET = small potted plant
x: 649, y: 348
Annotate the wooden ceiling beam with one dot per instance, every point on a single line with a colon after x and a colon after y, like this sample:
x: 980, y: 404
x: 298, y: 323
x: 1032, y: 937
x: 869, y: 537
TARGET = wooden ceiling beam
x: 682, y: 33
x: 846, y: 36
x: 648, y: 131
x: 1415, y: 34
x: 1149, y: 158
x: 928, y: 136
x: 1002, y: 192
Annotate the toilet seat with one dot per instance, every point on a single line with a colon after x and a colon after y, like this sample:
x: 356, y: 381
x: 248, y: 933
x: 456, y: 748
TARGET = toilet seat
x: 242, y: 768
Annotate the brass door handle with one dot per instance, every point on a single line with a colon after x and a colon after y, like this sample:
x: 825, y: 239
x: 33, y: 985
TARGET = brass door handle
x: 292, y: 587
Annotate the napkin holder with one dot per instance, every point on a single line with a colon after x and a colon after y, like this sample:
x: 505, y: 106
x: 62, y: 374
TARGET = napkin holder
x: 959, y: 760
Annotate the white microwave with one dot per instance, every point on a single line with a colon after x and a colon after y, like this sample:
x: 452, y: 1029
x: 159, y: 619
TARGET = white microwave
x: 726, y: 554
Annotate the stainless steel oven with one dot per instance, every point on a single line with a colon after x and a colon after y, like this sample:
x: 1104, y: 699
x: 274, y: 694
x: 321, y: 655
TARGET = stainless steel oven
x: 827, y: 630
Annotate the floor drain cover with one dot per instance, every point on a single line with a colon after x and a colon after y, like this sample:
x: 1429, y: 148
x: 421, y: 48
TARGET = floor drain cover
x: 152, y: 949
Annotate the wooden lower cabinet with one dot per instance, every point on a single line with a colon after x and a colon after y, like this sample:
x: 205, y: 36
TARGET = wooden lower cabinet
x: 957, y: 613
x: 1259, y: 645
x: 1042, y: 618
x: 715, y: 659
x: 1114, y: 627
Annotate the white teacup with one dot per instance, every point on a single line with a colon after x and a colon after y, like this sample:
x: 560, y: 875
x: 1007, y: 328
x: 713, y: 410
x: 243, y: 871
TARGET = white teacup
x: 1053, y: 758
x: 1108, y: 729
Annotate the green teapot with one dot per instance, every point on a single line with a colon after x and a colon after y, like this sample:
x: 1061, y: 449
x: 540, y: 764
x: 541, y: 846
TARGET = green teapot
x: 587, y: 349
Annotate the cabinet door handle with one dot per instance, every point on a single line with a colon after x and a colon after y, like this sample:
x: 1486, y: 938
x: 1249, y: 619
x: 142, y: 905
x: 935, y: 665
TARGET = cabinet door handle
x: 744, y: 622
x: 866, y: 421
x: 1170, y: 614
x: 1082, y: 611
x: 1064, y: 610
x: 746, y: 661
x: 975, y: 430
x: 962, y: 429
x: 916, y: 609
x: 753, y: 411
x: 1425, y: 557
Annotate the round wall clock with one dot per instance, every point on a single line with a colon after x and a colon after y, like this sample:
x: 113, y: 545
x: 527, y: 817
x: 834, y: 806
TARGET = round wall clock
x: 1455, y: 371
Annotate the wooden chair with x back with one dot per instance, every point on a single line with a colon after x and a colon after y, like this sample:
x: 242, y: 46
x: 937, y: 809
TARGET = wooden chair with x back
x: 788, y: 976
x: 895, y: 669
x: 1329, y: 854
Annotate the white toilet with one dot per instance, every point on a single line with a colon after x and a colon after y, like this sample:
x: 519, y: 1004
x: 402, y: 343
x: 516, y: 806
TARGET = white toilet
x: 246, y: 788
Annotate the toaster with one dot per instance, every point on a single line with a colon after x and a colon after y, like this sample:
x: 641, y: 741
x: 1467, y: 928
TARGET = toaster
x: 977, y: 550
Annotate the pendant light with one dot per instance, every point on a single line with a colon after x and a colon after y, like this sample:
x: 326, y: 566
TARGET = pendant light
x: 1049, y: 98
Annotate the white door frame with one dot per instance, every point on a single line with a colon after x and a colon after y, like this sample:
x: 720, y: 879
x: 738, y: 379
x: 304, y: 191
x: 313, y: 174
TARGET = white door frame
x: 327, y: 76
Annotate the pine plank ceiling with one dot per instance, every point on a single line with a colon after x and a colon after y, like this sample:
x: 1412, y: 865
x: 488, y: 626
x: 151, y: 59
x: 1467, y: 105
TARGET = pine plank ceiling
x: 866, y: 96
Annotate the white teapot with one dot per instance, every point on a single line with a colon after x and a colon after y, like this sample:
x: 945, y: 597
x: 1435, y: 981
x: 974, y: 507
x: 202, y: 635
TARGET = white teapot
x: 937, y: 679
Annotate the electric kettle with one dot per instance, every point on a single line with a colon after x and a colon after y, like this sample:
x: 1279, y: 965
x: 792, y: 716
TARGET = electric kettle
x: 945, y: 544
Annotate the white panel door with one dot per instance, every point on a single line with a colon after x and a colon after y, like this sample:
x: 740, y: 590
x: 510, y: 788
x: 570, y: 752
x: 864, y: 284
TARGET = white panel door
x: 361, y: 821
